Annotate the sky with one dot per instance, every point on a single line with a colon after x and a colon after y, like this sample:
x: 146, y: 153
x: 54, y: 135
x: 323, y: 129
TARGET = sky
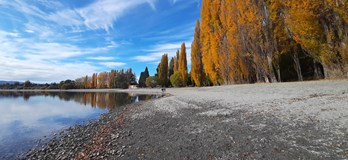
x: 47, y: 41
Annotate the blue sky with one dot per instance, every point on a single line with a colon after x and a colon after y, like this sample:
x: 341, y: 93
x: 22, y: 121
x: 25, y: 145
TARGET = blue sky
x: 51, y: 40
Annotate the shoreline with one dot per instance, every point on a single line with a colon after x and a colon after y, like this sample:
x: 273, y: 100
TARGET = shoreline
x: 305, y: 120
x: 135, y: 91
x: 79, y: 135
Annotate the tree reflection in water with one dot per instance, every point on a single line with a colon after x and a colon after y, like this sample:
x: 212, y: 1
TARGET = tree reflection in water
x: 102, y: 100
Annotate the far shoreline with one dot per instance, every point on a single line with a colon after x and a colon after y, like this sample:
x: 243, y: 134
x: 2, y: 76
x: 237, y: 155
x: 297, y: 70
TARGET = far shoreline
x: 146, y: 91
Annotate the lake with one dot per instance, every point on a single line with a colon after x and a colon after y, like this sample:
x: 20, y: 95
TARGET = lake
x: 27, y: 117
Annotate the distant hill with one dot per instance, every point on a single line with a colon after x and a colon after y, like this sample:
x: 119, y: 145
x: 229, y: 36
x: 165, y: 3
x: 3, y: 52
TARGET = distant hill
x: 9, y: 82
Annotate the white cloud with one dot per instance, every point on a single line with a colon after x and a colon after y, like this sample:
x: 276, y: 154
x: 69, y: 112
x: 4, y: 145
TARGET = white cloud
x: 29, y: 31
x: 25, y: 8
x: 112, y: 64
x: 55, y: 38
x: 40, y: 30
x: 13, y: 45
x: 51, y: 4
x: 102, y: 14
x: 101, y: 58
x: 165, y: 47
x: 156, y: 52
x: 67, y: 17
x: 99, y: 15
x: 42, y: 71
x: 150, y: 57
x: 23, y: 59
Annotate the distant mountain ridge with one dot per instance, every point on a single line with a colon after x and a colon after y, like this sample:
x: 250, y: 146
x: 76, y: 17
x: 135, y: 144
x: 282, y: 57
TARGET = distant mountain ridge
x: 9, y: 82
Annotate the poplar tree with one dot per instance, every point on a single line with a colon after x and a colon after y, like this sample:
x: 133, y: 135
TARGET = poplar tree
x: 171, y: 67
x: 163, y: 70
x: 197, y: 73
x: 183, y: 64
x: 176, y: 61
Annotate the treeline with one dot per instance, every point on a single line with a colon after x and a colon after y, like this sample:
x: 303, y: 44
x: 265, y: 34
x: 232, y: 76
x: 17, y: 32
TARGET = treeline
x: 250, y: 41
x: 262, y: 41
x: 270, y: 40
x: 30, y: 86
x: 113, y: 79
x: 169, y: 73
x: 104, y: 80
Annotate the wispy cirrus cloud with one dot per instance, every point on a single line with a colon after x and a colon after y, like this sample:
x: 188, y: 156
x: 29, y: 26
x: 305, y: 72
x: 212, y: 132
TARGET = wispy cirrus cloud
x: 22, y: 59
x: 42, y: 71
x: 112, y: 64
x: 155, y: 52
x: 102, y: 14
x: 101, y: 58
x: 98, y: 15
x: 50, y: 40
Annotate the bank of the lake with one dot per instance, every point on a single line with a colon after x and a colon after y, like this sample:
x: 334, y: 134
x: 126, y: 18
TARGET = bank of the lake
x: 302, y: 120
x: 28, y: 116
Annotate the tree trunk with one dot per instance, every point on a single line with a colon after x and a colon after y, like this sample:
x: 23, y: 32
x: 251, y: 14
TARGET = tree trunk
x: 297, y: 66
x: 318, y: 74
x: 267, y: 80
x: 258, y: 77
x: 273, y: 78
x: 279, y: 76
x: 326, y: 71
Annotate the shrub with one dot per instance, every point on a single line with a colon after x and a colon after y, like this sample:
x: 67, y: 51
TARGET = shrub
x: 176, y: 80
x: 152, y: 81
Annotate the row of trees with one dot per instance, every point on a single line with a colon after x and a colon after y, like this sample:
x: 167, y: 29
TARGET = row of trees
x: 262, y: 41
x: 251, y: 41
x: 67, y: 84
x: 267, y: 40
x: 113, y: 79
x: 174, y: 73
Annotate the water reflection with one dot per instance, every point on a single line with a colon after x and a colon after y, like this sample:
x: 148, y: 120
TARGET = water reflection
x: 101, y: 100
x: 26, y: 117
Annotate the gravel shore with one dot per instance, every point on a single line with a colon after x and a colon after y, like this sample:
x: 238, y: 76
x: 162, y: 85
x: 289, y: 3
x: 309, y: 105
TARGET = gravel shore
x: 305, y: 120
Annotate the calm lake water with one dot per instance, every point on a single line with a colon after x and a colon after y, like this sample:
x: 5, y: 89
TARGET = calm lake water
x: 27, y: 117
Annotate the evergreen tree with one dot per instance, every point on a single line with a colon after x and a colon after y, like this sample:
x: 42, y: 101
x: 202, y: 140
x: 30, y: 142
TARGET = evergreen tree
x: 143, y: 76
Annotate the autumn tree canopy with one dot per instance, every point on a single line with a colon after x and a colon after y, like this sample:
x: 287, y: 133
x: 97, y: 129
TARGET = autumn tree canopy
x: 183, y: 64
x: 163, y: 70
x: 197, y: 72
x: 268, y: 40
